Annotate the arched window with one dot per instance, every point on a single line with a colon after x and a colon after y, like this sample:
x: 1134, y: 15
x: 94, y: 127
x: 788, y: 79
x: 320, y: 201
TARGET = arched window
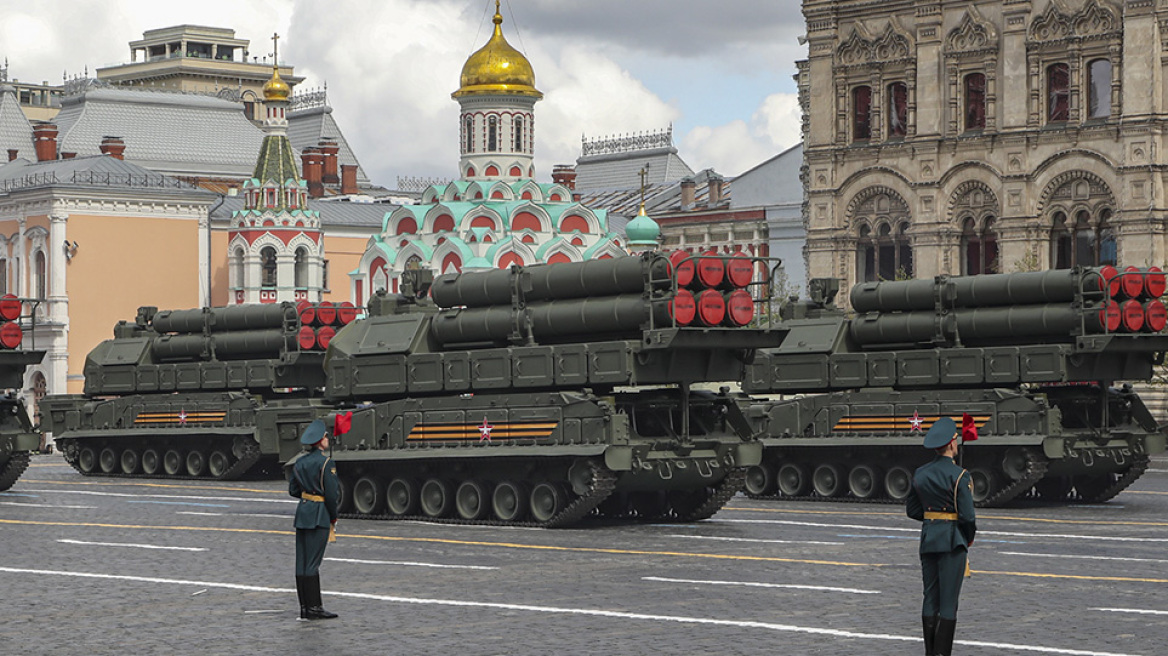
x: 413, y: 263
x: 517, y: 126
x: 268, y: 267
x: 300, y: 272
x: 236, y: 272
x: 862, y: 113
x: 897, y: 110
x: 468, y: 135
x: 492, y: 134
x: 1058, y: 93
x: 1099, y: 89
x: 975, y: 101
x: 41, y: 281
x: 979, y: 247
x: 3, y: 275
x: 887, y: 255
x: 1082, y: 242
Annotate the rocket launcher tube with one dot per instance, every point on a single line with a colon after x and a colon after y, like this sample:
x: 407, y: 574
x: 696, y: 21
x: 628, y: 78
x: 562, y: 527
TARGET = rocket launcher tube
x: 241, y: 344
x: 980, y: 325
x: 1026, y: 288
x: 566, y: 280
x: 231, y: 318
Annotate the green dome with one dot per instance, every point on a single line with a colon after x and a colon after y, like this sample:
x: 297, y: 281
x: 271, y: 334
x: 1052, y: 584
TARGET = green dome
x: 642, y: 230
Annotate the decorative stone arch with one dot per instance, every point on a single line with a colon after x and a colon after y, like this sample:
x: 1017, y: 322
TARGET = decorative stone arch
x: 562, y: 251
x: 439, y: 219
x: 881, y: 200
x: 1078, y: 208
x: 501, y: 191
x: 473, y: 219
x: 404, y: 223
x: 506, y: 252
x: 268, y: 239
x: 972, y: 198
x: 408, y: 251
x: 573, y: 215
x: 529, y: 190
x: 879, y: 219
x: 474, y: 191
x: 1075, y: 187
x: 522, y: 216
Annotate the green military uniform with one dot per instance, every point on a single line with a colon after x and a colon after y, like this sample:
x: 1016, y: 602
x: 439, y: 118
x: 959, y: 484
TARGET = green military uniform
x: 942, y: 499
x: 313, y: 480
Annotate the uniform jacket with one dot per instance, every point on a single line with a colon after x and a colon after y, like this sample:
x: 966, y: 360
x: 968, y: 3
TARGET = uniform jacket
x: 942, y: 486
x: 315, y: 473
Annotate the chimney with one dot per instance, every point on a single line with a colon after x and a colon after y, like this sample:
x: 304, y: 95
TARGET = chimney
x: 328, y: 151
x: 688, y: 190
x: 310, y: 160
x: 12, y: 153
x: 68, y: 155
x: 564, y: 174
x: 348, y: 178
x: 714, y: 196
x: 44, y: 137
x: 113, y: 146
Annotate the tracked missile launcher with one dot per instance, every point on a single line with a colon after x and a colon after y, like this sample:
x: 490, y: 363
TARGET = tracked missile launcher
x: 538, y: 395
x: 1032, y: 357
x: 177, y: 393
x: 18, y: 437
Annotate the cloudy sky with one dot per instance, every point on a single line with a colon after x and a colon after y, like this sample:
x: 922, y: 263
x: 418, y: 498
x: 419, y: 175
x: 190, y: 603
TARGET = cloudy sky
x: 720, y: 72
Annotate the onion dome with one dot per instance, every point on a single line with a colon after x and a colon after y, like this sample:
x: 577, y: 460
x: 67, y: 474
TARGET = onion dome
x: 276, y: 89
x: 497, y: 68
x: 642, y: 231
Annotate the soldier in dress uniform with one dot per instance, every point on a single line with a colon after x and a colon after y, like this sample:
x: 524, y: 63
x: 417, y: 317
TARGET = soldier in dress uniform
x: 313, y: 480
x: 942, y: 498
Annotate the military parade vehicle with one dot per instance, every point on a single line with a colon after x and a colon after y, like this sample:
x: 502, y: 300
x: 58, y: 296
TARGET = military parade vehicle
x: 1032, y: 358
x: 18, y: 437
x: 531, y: 395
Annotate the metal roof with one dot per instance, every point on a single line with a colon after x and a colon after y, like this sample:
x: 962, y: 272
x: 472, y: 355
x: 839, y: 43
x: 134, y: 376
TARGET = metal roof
x: 15, y: 131
x: 307, y: 127
x: 101, y: 171
x: 332, y: 213
x: 622, y: 170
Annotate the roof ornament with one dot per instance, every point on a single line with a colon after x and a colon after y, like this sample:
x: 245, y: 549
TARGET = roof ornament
x: 276, y: 89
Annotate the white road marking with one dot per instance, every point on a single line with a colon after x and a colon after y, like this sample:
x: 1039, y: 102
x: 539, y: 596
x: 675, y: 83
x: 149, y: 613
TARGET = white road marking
x: 751, y: 584
x: 211, y: 514
x: 137, y: 546
x: 785, y: 628
x: 1065, y: 536
x: 1139, y: 611
x: 41, y: 505
x: 1041, y: 555
x: 1156, y: 471
x: 406, y: 563
x: 725, y: 539
x: 164, y: 496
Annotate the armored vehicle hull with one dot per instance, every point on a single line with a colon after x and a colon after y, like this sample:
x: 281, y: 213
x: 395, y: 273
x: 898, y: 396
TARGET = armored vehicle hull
x: 18, y: 437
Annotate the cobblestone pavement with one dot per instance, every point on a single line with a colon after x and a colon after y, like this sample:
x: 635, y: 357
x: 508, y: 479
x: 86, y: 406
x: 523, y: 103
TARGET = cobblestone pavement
x: 93, y: 566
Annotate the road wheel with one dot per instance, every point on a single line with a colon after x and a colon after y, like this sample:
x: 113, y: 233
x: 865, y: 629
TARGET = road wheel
x: 985, y: 484
x: 547, y: 500
x: 130, y: 461
x: 108, y: 460
x: 402, y: 496
x: 509, y: 501
x: 792, y: 480
x: 196, y: 463
x: 436, y: 498
x: 828, y: 480
x: 864, y: 482
x: 87, y: 459
x: 471, y: 500
x: 367, y: 496
x: 172, y: 462
x: 151, y: 463
x: 760, y: 479
x: 1056, y: 488
x: 218, y: 463
x: 898, y: 483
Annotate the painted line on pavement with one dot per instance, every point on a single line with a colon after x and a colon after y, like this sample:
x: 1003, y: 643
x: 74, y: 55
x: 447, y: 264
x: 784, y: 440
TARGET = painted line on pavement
x: 1138, y: 611
x: 18, y: 494
x: 614, y: 614
x: 728, y: 539
x: 405, y: 563
x: 980, y: 516
x: 1065, y: 536
x: 751, y: 584
x: 41, y: 505
x: 211, y: 514
x: 129, y: 483
x: 184, y: 503
x: 165, y: 496
x: 1042, y: 555
x: 127, y: 544
x: 1144, y: 492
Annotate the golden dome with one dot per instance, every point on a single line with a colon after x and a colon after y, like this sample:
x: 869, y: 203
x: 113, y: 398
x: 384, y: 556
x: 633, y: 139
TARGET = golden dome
x: 275, y: 88
x: 497, y: 68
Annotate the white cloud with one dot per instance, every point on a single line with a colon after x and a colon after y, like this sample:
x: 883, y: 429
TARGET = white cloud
x: 737, y: 146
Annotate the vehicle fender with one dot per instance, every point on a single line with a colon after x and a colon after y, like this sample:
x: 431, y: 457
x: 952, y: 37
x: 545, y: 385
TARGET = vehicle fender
x: 618, y: 458
x: 748, y: 455
x: 1053, y: 447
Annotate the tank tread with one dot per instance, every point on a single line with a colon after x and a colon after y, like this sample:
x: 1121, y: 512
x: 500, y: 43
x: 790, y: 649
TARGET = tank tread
x: 1035, y: 471
x: 17, y: 463
x: 1139, y: 466
x: 603, y: 484
x: 248, y: 455
x: 722, y: 493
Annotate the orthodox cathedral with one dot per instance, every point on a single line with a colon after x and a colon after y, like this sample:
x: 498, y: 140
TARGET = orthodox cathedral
x: 495, y: 214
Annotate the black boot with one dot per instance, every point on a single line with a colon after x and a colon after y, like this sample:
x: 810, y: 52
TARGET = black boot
x: 315, y: 609
x: 945, y: 630
x: 929, y: 624
x: 300, y: 594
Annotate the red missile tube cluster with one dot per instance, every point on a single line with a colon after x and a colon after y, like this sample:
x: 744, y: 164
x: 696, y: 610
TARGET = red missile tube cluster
x: 11, y: 333
x: 1134, y: 303
x: 319, y: 322
x: 711, y: 289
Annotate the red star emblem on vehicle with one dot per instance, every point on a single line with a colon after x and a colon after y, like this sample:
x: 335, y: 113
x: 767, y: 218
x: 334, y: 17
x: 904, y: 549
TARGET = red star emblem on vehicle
x: 916, y: 422
x: 485, y: 431
x: 182, y: 416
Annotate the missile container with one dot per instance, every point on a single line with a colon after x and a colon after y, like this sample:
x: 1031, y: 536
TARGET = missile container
x: 18, y: 437
x: 1040, y: 361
